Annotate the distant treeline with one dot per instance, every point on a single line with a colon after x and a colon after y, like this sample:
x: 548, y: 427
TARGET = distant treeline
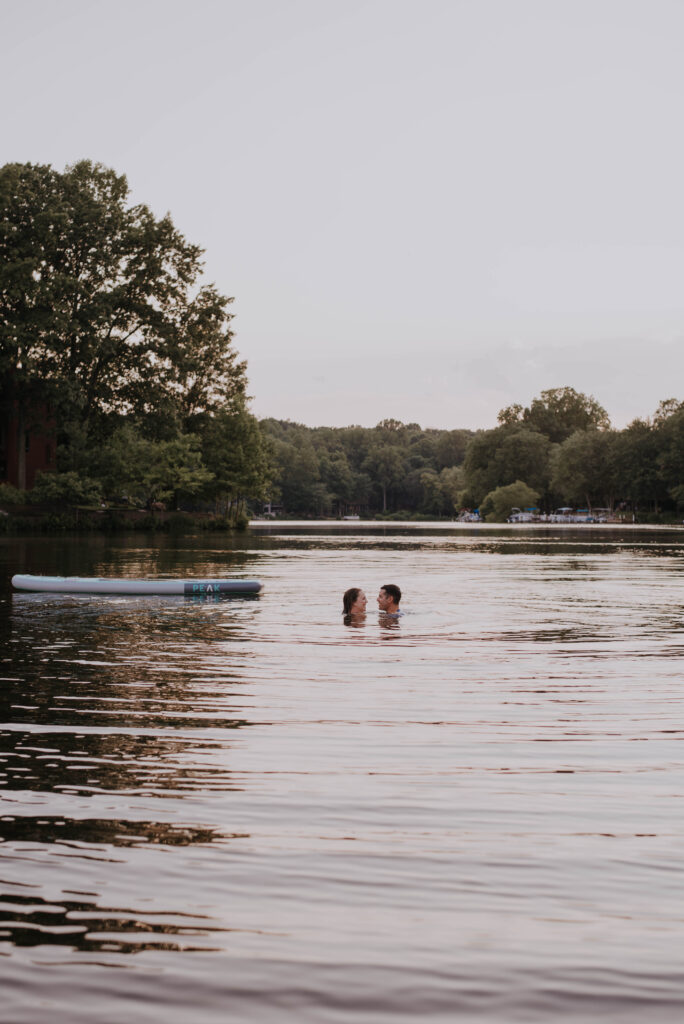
x: 359, y: 470
x: 561, y: 450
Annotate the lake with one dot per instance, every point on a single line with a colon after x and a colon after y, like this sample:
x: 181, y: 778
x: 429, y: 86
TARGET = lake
x: 244, y: 809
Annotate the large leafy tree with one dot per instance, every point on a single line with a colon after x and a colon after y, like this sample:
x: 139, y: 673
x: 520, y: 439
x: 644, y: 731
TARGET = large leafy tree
x: 498, y: 504
x: 101, y: 307
x: 636, y: 457
x: 584, y: 468
x: 670, y: 431
x: 151, y: 470
x: 239, y: 456
x: 384, y: 463
x: 557, y: 413
x: 496, y: 458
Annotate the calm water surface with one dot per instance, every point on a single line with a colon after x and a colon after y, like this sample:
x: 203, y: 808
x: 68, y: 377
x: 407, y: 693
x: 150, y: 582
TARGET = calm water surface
x: 244, y: 810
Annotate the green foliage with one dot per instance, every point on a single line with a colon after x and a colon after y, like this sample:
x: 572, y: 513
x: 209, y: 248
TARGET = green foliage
x: 501, y: 456
x: 583, y: 468
x: 384, y: 464
x: 451, y: 481
x: 12, y: 495
x: 497, y: 505
x: 636, y: 464
x: 100, y: 302
x: 393, y: 466
x: 103, y: 315
x: 561, y: 447
x: 154, y: 471
x: 241, y: 521
x: 670, y: 432
x: 235, y: 448
x: 299, y: 478
x: 450, y: 447
x: 66, y: 488
x: 557, y: 413
x: 678, y: 494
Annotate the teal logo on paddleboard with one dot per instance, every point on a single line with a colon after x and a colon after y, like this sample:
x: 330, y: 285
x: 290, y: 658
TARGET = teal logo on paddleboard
x: 207, y: 587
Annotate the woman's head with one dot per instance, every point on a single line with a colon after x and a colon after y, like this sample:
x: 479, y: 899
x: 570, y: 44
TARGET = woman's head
x: 354, y: 601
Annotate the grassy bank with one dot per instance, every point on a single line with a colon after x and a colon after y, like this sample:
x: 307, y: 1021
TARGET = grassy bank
x: 57, y: 520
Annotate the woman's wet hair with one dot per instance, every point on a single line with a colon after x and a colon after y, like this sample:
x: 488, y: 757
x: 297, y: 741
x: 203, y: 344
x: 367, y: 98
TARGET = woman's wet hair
x: 349, y: 599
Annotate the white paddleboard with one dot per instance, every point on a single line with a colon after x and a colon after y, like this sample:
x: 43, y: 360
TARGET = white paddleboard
x: 90, y: 585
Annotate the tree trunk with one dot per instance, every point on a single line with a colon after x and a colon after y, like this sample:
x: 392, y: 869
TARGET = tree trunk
x: 21, y: 446
x: 384, y: 498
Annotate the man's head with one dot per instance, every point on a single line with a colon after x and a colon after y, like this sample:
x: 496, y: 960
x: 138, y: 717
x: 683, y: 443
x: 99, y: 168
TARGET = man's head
x: 389, y: 598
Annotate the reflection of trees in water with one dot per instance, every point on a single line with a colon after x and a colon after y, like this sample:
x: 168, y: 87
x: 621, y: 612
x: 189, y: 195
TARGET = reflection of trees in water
x: 107, y: 831
x: 80, y: 925
x: 162, y: 561
x: 142, y: 554
x: 93, y: 762
x: 116, y: 667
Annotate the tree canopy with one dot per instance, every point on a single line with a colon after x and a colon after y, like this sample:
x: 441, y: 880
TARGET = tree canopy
x: 103, y: 315
x: 557, y: 413
x: 100, y: 302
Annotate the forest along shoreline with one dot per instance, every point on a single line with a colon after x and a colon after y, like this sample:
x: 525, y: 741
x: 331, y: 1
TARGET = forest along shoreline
x: 124, y: 403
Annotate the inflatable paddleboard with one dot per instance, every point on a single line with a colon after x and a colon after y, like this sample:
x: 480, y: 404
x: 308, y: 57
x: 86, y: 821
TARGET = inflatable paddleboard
x: 89, y: 585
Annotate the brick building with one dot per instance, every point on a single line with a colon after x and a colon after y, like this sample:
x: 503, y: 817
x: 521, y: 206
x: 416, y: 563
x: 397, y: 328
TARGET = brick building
x: 23, y: 457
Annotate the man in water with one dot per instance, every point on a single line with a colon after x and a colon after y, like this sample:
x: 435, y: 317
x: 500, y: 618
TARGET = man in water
x: 388, y: 599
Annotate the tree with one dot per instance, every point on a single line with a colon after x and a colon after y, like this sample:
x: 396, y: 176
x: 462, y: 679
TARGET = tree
x: 670, y: 434
x: 557, y: 413
x: 385, y: 464
x: 336, y: 474
x: 667, y: 408
x: 394, y: 428
x: 298, y: 475
x: 235, y: 448
x: 150, y: 470
x: 450, y: 447
x: 68, y: 488
x: 101, y: 310
x: 636, y: 463
x: 496, y: 506
x: 583, y: 468
x: 451, y: 482
x: 496, y: 458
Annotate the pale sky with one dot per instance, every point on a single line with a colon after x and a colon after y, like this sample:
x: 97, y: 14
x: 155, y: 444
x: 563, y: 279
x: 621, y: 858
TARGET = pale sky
x: 425, y: 209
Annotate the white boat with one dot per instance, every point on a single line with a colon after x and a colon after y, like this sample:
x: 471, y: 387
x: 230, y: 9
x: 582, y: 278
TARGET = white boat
x: 91, y: 585
x: 519, y: 515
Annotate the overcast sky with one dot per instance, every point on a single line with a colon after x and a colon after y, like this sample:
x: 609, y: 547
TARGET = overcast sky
x: 425, y: 209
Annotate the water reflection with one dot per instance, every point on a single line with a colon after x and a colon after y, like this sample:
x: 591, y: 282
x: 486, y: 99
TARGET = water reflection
x: 389, y: 623
x: 89, y: 763
x: 29, y: 920
x: 354, y: 621
x: 87, y: 832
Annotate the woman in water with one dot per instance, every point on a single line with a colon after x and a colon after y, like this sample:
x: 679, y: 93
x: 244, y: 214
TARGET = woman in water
x: 354, y: 603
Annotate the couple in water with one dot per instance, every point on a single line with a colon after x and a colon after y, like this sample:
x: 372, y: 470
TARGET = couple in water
x: 354, y: 601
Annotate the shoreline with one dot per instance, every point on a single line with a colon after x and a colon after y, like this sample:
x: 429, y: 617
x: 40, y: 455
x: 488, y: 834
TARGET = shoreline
x: 409, y: 524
